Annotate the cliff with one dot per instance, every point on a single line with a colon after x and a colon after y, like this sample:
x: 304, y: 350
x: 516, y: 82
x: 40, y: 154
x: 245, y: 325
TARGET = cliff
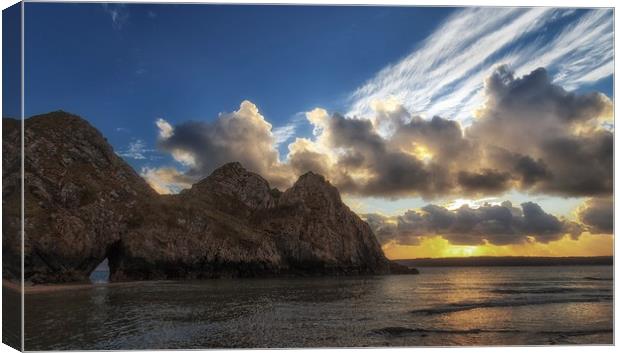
x: 83, y: 204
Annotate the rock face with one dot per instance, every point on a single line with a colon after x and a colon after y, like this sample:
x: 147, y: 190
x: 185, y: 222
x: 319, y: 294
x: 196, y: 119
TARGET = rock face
x: 80, y: 198
x: 84, y: 204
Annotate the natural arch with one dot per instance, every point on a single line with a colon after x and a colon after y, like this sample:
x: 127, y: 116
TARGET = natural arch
x: 101, y: 273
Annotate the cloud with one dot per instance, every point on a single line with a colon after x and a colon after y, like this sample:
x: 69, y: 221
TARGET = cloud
x: 598, y: 215
x: 137, y: 150
x: 487, y: 181
x: 242, y: 136
x: 283, y: 133
x: 444, y: 76
x: 118, y: 13
x: 494, y: 224
x: 550, y: 139
x: 518, y: 141
x: 356, y: 158
x: 166, y: 180
x: 165, y: 129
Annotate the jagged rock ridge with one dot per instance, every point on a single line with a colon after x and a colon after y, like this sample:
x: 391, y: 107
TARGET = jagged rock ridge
x: 83, y: 203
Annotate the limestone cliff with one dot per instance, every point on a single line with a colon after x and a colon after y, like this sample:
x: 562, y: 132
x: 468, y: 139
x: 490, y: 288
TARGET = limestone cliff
x: 83, y: 203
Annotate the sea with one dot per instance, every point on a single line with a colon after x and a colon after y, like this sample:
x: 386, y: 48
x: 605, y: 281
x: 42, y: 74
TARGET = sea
x: 442, y: 306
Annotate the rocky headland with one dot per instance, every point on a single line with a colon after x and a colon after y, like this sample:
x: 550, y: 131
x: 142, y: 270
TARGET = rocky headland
x: 83, y: 203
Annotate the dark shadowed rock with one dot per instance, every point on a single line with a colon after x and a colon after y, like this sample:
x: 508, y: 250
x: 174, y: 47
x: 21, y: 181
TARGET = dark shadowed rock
x: 316, y: 231
x: 84, y: 204
x: 398, y: 269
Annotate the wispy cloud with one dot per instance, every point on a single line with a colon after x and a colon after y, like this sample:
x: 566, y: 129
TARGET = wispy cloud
x: 136, y: 150
x: 118, y: 13
x: 445, y: 74
x: 284, y: 133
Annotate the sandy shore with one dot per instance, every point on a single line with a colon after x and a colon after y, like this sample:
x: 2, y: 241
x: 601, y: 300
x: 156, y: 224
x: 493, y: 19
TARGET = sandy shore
x: 44, y: 288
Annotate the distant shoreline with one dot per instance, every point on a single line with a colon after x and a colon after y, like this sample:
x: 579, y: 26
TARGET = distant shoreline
x: 480, y: 261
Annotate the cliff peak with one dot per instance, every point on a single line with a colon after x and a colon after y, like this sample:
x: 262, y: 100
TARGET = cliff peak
x: 312, y: 175
x: 315, y: 182
x: 233, y: 180
x: 230, y: 166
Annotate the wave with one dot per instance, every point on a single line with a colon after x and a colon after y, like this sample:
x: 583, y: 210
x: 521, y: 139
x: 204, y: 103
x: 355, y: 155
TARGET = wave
x: 464, y: 306
x: 578, y: 332
x: 402, y: 331
x: 599, y: 296
x: 598, y: 278
x: 534, y: 291
x: 398, y: 331
x: 548, y: 290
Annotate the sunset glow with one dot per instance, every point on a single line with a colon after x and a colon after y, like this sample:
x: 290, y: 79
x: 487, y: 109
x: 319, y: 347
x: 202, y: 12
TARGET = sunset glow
x: 434, y: 247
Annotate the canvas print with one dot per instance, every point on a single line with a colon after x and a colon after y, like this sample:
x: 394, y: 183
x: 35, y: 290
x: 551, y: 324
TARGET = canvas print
x: 200, y: 176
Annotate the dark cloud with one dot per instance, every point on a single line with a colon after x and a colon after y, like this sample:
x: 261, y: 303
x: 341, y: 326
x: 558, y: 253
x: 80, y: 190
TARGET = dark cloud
x: 552, y: 136
x: 243, y: 136
x: 495, y: 224
x: 355, y: 133
x: 442, y: 137
x: 393, y: 174
x: 530, y: 171
x: 582, y: 165
x: 309, y: 161
x: 535, y: 93
x: 487, y: 181
x: 385, y: 171
x: 598, y: 215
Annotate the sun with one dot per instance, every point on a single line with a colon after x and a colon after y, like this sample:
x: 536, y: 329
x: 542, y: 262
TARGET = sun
x: 460, y: 251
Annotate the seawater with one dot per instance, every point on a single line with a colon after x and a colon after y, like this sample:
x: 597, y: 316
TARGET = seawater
x: 440, y: 307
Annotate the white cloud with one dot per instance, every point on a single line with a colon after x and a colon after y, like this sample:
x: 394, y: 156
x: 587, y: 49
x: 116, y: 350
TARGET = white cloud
x: 165, y: 129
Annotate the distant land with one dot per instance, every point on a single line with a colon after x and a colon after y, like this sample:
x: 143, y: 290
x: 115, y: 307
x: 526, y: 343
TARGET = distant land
x: 508, y: 261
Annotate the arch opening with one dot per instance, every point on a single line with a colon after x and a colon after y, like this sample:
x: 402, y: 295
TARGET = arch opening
x: 101, y: 273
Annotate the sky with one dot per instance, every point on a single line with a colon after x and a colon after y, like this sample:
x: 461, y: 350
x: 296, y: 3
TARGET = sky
x: 451, y: 131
